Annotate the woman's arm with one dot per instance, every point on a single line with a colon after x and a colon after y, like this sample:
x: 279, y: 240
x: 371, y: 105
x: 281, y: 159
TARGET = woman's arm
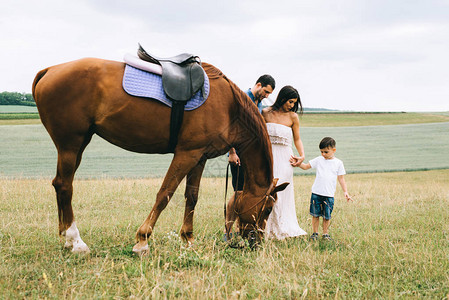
x: 296, y: 135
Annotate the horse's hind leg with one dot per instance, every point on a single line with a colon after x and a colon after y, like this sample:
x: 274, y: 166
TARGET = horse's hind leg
x: 69, y: 159
x: 191, y: 195
x: 182, y: 163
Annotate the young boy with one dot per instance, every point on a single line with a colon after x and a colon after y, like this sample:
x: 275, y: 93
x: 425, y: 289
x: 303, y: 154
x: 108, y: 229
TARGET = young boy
x: 328, y: 170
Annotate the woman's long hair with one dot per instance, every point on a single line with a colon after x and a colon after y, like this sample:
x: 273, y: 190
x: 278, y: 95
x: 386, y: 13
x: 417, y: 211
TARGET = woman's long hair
x: 286, y: 93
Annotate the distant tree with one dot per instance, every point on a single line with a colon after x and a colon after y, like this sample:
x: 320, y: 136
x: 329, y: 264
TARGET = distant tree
x: 15, y: 98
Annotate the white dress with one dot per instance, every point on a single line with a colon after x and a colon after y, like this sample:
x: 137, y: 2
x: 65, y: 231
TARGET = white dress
x: 282, y: 222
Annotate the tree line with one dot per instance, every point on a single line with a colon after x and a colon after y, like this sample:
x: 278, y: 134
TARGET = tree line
x: 15, y: 98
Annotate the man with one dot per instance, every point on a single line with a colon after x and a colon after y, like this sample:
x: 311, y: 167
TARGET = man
x: 262, y: 89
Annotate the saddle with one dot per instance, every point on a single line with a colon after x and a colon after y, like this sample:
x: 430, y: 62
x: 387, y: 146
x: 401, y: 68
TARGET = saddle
x: 182, y: 77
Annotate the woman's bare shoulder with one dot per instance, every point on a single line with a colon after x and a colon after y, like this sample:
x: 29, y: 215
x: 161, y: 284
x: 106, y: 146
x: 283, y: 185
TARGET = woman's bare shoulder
x: 266, y: 114
x: 294, y: 116
x: 266, y: 110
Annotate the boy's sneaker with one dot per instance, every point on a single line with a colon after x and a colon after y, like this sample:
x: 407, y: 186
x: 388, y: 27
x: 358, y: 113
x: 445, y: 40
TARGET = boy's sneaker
x: 327, y: 237
x: 314, y: 236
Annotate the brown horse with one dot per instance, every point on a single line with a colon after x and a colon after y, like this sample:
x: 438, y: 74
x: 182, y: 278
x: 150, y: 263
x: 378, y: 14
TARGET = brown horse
x: 85, y: 97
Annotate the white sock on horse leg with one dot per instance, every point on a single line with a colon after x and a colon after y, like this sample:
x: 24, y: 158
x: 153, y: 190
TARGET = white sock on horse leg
x: 74, y: 241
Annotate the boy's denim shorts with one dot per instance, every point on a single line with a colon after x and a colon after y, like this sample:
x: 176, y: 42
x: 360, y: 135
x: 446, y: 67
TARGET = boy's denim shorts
x: 321, y: 206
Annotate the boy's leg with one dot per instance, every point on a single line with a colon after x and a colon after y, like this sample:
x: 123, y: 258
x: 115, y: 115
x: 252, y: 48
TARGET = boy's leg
x: 315, y: 212
x: 326, y: 224
x: 315, y: 224
x: 328, y: 207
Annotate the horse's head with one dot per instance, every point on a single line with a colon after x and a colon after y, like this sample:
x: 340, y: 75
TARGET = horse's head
x: 253, y: 211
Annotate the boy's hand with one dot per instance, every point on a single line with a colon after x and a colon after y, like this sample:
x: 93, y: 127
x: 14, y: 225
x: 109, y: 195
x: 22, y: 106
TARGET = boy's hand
x: 295, y: 161
x: 348, y: 198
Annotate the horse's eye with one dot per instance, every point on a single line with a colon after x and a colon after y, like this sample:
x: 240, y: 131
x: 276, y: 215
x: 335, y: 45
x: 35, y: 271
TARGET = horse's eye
x: 269, y: 210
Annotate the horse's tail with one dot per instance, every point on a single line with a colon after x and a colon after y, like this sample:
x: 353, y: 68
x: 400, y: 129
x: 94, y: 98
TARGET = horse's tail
x: 38, y: 77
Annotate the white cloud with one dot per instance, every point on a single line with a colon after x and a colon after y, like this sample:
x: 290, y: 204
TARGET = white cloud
x: 354, y: 55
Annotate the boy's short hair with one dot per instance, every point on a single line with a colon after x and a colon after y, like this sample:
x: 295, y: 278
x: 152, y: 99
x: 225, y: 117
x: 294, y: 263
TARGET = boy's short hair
x: 327, y: 142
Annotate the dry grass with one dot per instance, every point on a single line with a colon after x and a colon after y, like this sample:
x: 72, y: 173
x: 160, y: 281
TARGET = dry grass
x: 390, y: 243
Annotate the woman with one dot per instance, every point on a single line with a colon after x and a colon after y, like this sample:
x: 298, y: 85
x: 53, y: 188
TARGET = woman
x: 283, y: 129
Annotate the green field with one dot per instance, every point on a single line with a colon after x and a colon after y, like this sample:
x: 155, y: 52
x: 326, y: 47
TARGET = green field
x: 27, y: 151
x: 8, y: 109
x: 342, y: 119
x: 391, y: 243
x: 17, y: 115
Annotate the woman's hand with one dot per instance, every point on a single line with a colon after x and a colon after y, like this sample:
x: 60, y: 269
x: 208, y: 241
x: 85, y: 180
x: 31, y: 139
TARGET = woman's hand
x: 296, y: 161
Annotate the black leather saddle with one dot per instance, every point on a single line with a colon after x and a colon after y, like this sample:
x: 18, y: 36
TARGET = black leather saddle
x: 182, y: 77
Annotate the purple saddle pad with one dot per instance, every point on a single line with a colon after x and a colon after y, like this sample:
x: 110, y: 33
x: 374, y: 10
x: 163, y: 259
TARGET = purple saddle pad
x: 141, y: 83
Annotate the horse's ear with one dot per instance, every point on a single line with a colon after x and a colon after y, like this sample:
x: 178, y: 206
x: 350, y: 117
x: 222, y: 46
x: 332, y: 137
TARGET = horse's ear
x: 279, y: 188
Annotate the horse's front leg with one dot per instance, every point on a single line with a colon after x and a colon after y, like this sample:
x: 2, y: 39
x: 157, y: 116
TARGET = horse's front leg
x: 182, y: 163
x: 191, y: 195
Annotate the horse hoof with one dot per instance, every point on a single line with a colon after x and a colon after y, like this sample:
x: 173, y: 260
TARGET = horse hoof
x: 68, y: 245
x: 141, y: 249
x: 187, y: 238
x: 80, y: 248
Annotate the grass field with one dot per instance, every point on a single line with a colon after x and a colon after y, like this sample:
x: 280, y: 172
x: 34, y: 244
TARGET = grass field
x: 8, y: 109
x: 18, y: 115
x: 391, y: 242
x: 15, y: 115
x: 27, y: 151
x: 369, y: 119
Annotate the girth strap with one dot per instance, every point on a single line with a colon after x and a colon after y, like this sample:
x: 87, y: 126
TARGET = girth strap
x: 182, y: 77
x: 176, y: 117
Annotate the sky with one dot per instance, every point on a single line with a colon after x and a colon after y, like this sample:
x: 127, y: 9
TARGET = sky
x: 359, y: 55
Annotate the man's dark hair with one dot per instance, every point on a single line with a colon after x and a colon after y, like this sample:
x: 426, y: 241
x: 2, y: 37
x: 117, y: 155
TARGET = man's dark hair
x: 327, y: 142
x: 266, y: 80
x: 286, y: 93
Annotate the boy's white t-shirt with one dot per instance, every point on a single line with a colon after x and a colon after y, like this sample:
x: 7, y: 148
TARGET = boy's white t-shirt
x: 327, y: 171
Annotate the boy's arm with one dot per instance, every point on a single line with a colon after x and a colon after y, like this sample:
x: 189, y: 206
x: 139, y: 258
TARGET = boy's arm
x: 305, y: 166
x: 341, y: 180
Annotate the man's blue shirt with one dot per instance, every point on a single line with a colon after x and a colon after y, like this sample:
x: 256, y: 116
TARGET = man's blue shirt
x: 259, y: 105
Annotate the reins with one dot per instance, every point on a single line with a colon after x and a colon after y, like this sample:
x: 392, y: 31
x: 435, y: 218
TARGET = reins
x: 264, y: 198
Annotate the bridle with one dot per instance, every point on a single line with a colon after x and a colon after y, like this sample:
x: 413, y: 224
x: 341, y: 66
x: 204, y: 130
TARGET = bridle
x: 264, y: 199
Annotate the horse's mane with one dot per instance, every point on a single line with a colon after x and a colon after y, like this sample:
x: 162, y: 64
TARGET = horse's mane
x: 248, y: 114
x: 212, y: 71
